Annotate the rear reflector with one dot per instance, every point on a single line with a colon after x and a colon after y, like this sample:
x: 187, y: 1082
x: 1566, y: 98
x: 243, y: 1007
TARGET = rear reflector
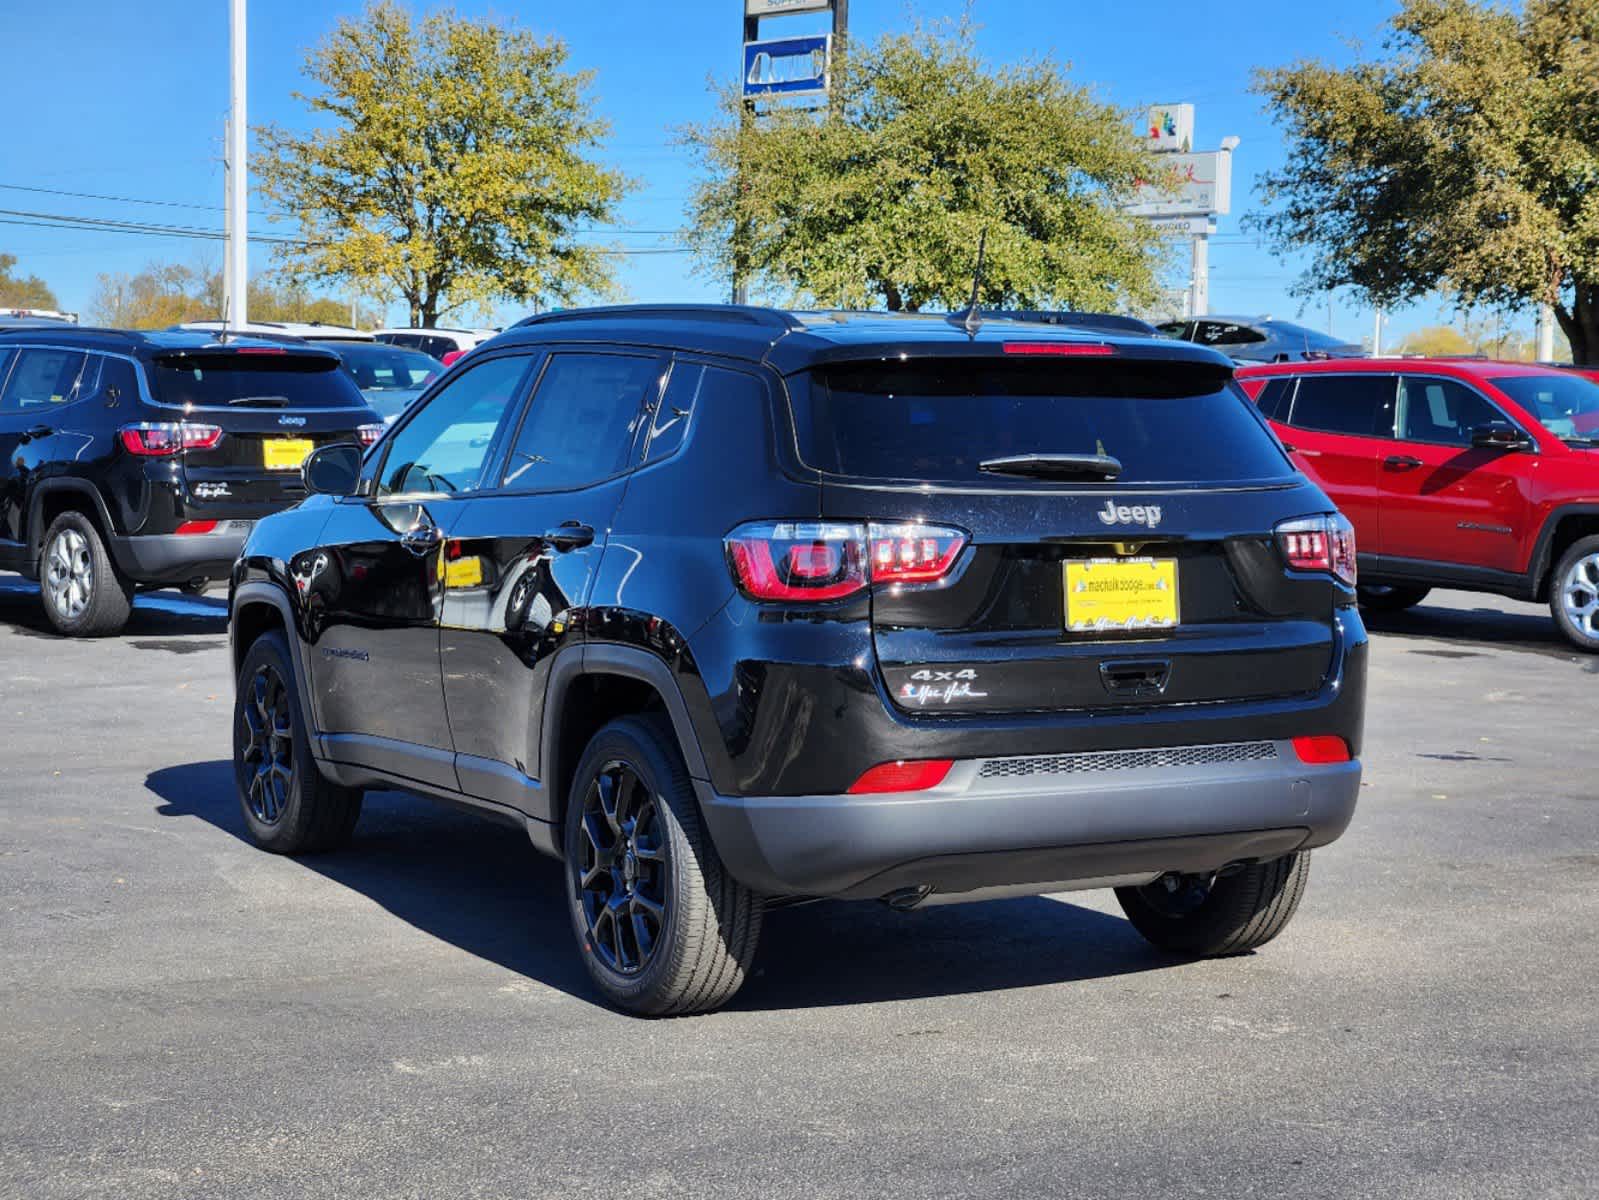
x: 902, y: 776
x: 1325, y: 748
x: 1061, y: 349
x: 197, y: 527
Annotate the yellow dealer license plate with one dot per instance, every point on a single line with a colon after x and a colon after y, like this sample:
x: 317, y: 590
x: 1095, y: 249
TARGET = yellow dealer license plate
x: 286, y: 454
x: 1121, y: 595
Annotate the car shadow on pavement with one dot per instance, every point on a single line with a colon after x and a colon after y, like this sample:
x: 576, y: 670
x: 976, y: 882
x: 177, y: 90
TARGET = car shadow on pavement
x: 1532, y: 629
x: 479, y: 885
x: 155, y: 614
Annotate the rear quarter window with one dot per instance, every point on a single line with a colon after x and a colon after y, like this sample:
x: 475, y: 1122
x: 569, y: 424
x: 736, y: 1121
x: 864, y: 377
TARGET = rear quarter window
x: 939, y: 419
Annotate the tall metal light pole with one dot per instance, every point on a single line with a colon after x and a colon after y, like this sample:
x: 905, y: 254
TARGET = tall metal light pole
x: 237, y: 304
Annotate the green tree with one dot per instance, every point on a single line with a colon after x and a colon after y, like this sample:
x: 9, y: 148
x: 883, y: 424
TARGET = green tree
x: 882, y: 201
x: 23, y: 291
x: 164, y: 294
x: 1436, y: 341
x: 1463, y: 156
x: 452, y: 168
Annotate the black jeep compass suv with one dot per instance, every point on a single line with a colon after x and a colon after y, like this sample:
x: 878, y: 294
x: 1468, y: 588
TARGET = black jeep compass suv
x: 141, y: 459
x: 732, y: 606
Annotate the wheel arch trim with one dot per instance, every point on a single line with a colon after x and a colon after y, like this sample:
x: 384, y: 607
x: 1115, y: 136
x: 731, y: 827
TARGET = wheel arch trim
x: 1543, y: 550
x: 256, y: 594
x: 45, y: 488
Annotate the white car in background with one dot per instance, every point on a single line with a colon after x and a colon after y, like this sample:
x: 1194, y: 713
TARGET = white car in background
x: 309, y: 330
x: 446, y: 345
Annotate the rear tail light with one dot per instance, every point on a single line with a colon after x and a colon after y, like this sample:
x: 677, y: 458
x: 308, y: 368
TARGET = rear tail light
x: 804, y: 561
x: 160, y: 439
x: 197, y: 527
x: 451, y: 357
x: 916, y: 775
x: 1327, y: 748
x: 369, y: 434
x: 1325, y: 543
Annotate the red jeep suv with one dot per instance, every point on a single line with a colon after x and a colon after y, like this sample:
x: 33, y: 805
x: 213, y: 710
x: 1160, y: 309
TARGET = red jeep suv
x: 1459, y: 473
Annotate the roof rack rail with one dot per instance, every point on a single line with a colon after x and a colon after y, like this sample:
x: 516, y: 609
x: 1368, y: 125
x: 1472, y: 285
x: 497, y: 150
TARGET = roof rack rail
x: 746, y: 314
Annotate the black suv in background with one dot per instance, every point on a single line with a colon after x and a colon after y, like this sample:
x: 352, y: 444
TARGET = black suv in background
x: 731, y: 606
x: 141, y: 459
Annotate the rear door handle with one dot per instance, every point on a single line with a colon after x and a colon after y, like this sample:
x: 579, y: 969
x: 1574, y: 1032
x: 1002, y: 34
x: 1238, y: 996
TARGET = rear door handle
x: 570, y: 535
x: 421, y: 538
x: 1401, y: 462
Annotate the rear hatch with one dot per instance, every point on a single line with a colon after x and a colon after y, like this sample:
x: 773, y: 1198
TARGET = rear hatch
x: 252, y: 413
x: 1118, y: 520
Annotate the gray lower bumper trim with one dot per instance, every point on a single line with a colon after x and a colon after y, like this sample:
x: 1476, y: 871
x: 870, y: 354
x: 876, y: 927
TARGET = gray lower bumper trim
x: 176, y: 557
x: 973, y: 832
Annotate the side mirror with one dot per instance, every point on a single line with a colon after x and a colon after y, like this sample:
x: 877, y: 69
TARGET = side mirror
x: 1498, y: 435
x: 332, y: 470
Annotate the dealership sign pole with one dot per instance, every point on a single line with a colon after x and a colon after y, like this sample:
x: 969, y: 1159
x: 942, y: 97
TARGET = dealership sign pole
x: 779, y: 70
x: 235, y: 306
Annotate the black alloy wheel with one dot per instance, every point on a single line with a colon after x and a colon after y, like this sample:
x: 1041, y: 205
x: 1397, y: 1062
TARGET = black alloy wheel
x: 267, y: 753
x: 622, y: 869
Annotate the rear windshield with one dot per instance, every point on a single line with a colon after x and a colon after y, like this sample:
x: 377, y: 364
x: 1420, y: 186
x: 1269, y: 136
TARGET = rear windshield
x: 940, y: 419
x: 253, y: 380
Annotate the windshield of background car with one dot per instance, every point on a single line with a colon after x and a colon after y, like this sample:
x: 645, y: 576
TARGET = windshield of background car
x: 218, y: 380
x: 1565, y: 405
x: 939, y: 419
x: 379, y: 368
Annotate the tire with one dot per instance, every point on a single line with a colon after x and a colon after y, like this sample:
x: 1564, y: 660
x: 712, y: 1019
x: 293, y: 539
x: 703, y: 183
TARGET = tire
x: 1232, y: 914
x: 1574, y: 594
x: 691, y: 928
x: 1376, y: 597
x: 83, y: 593
x: 288, y: 807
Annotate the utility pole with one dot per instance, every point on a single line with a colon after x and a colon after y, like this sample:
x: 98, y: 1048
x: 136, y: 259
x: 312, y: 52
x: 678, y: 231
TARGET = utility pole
x: 236, y: 302
x: 746, y: 117
x: 227, y: 218
x: 1376, y: 334
x: 1199, y: 303
x: 1546, y: 333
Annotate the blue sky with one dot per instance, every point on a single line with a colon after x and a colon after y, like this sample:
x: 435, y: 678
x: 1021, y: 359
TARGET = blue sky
x: 128, y: 99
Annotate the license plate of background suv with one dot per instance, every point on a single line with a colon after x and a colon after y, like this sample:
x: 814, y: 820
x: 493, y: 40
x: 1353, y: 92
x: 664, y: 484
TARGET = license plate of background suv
x: 286, y: 454
x: 1121, y: 595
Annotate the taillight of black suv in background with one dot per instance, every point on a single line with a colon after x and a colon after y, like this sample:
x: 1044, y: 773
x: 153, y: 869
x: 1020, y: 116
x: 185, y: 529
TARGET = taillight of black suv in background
x: 729, y: 606
x: 132, y: 460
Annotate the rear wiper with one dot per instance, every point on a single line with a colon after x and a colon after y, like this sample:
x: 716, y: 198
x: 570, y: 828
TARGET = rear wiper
x: 261, y: 401
x: 1054, y: 466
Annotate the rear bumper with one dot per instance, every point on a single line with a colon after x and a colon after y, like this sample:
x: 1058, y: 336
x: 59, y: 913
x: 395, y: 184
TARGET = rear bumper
x: 998, y: 825
x: 177, y: 558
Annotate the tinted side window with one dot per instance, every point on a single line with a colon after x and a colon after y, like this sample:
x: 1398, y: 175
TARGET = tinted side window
x: 118, y: 375
x: 1355, y: 404
x: 444, y: 447
x: 1225, y: 333
x: 42, y: 378
x: 1441, y: 411
x: 675, y: 412
x: 580, y: 425
x: 1273, y: 398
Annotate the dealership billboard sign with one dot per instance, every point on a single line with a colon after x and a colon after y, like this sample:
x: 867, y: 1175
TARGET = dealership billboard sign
x: 794, y: 66
x: 776, y: 8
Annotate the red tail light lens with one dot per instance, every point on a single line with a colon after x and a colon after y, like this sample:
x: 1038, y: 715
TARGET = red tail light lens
x: 1324, y: 543
x: 369, y: 434
x: 913, y: 553
x: 795, y: 560
x: 1061, y: 349
x: 1321, y: 749
x: 160, y: 439
x: 916, y: 775
x: 451, y: 357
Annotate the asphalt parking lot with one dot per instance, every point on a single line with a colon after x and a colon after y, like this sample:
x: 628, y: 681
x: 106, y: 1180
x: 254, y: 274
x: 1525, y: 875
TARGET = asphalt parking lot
x: 182, y: 1015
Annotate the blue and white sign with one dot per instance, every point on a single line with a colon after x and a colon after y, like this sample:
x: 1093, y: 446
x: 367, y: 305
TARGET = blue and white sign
x: 795, y: 66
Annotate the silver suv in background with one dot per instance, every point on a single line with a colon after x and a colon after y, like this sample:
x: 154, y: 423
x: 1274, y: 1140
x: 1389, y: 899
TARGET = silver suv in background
x: 1261, y: 339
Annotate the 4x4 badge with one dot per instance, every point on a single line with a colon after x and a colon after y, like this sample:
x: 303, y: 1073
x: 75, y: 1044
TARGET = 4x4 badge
x: 1137, y: 514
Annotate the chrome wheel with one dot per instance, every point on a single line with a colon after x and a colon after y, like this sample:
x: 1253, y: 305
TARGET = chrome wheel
x: 268, y: 751
x: 620, y: 871
x: 69, y: 573
x: 1579, y: 596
